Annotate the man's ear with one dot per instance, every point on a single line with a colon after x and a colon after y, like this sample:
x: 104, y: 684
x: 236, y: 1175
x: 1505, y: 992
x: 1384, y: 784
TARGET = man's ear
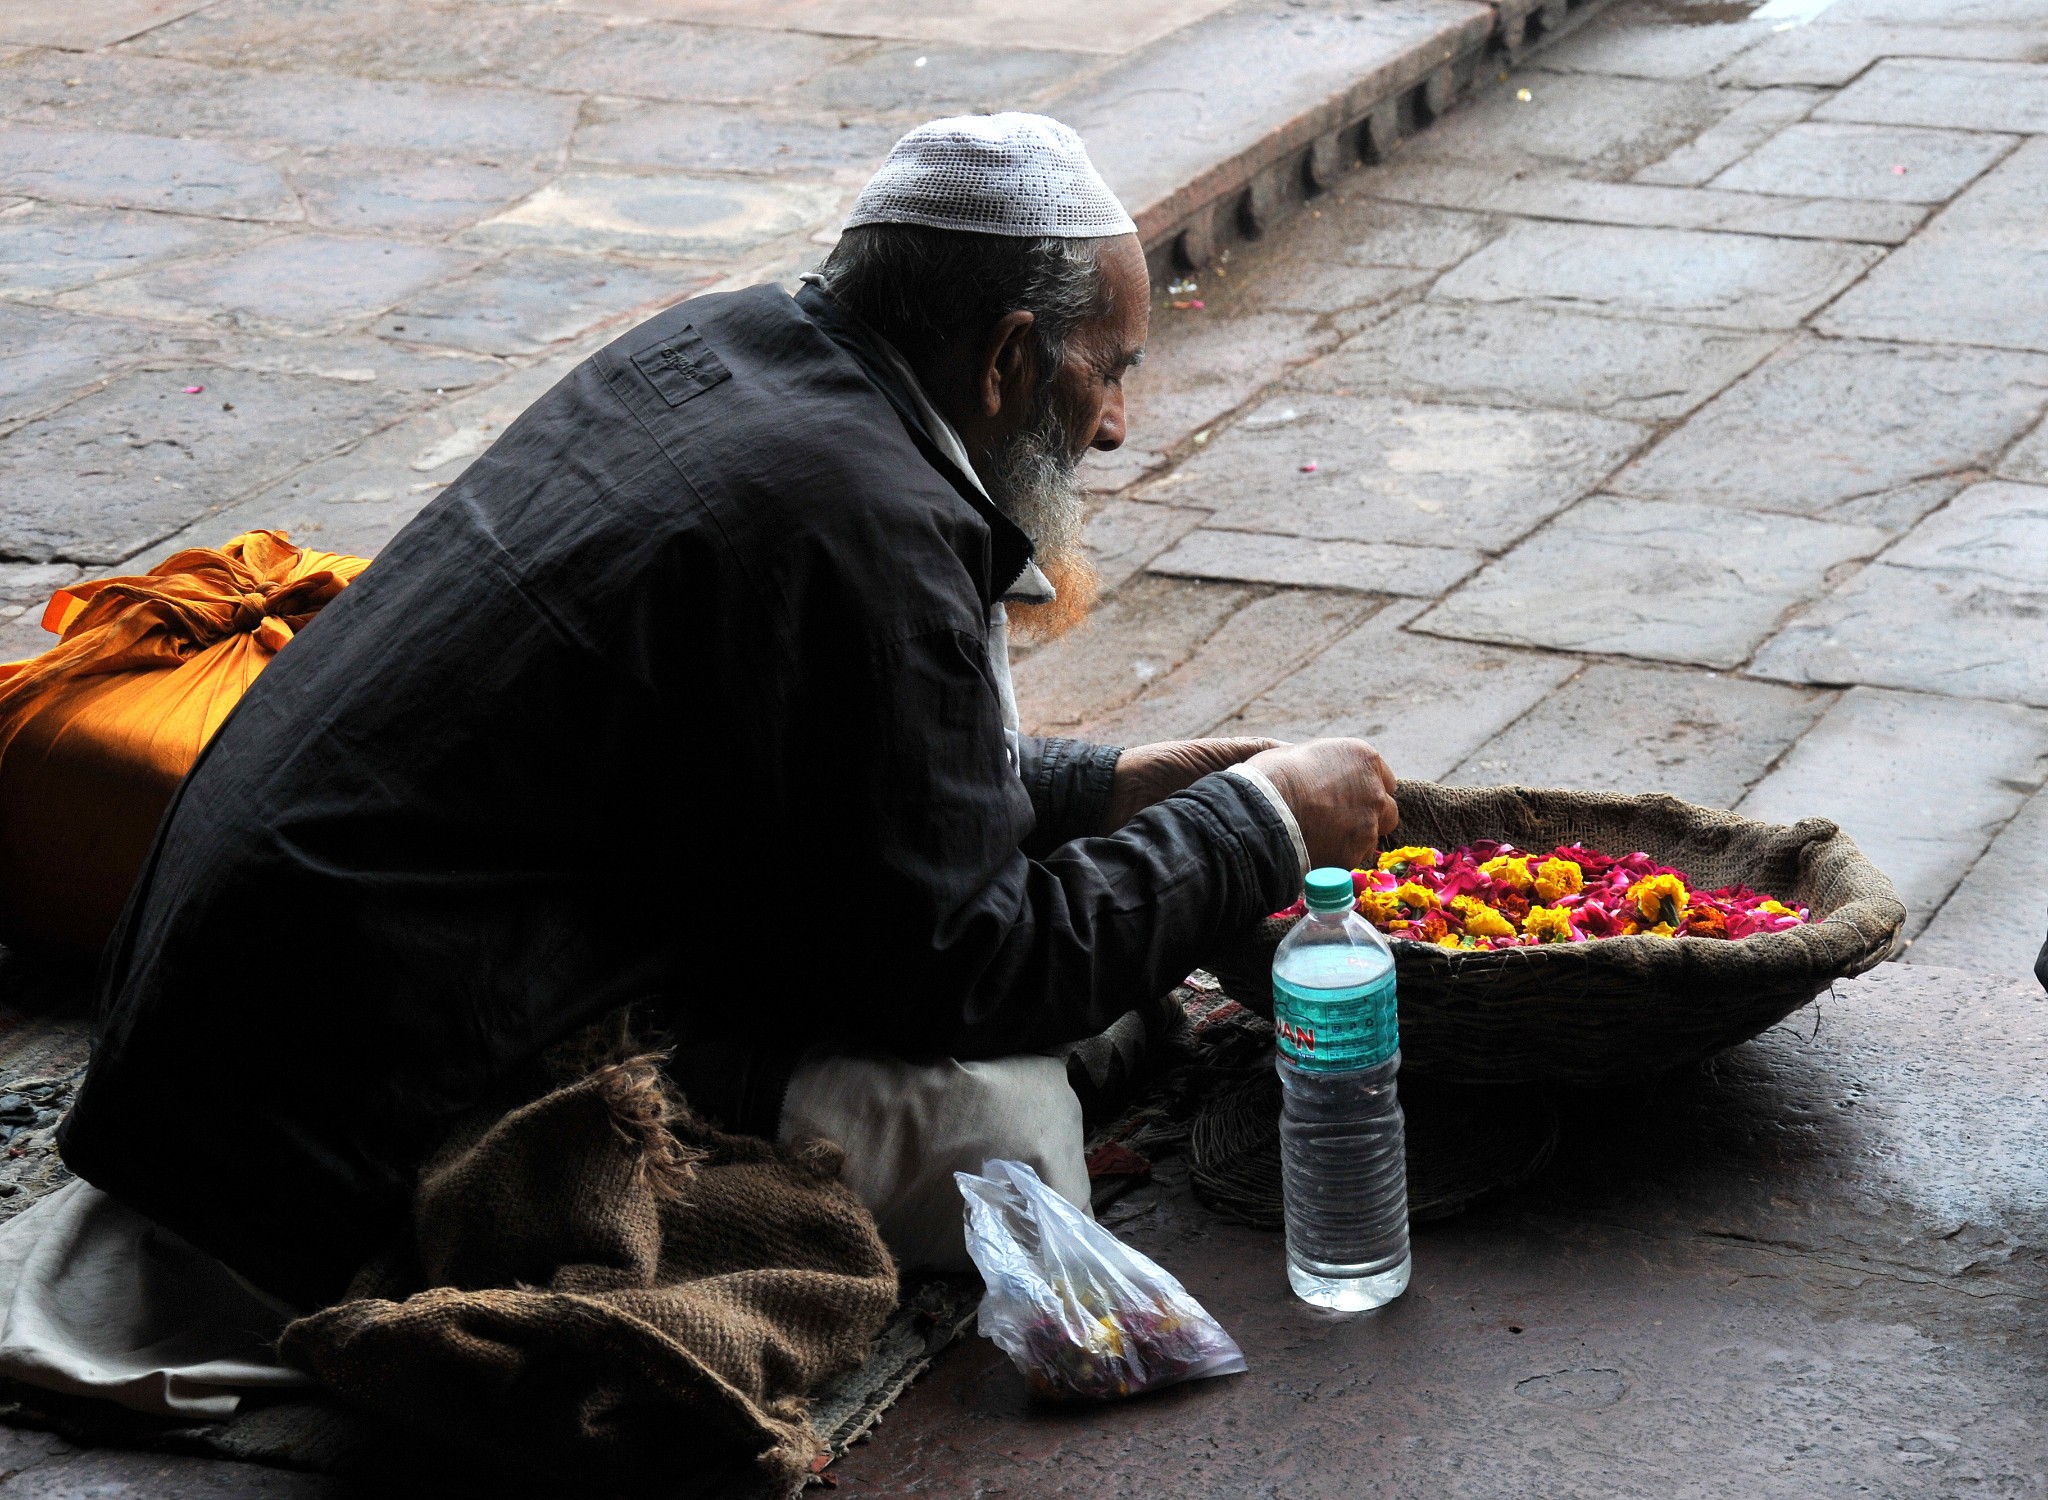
x: 1004, y: 373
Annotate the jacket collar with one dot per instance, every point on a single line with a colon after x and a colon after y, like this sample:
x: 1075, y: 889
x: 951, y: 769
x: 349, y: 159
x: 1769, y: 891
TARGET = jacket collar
x: 1012, y: 572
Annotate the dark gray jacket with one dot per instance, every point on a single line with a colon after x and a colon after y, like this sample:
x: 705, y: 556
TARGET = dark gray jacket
x: 680, y: 694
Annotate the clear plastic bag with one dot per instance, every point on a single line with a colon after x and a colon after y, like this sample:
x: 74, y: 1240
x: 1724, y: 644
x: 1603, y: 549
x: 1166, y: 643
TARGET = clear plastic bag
x: 1082, y: 1315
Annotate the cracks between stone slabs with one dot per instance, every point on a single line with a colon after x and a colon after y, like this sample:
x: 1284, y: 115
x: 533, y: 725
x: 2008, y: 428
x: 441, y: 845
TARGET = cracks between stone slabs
x: 1895, y: 1271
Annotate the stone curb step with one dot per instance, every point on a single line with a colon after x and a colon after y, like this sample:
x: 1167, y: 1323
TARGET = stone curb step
x: 1217, y: 132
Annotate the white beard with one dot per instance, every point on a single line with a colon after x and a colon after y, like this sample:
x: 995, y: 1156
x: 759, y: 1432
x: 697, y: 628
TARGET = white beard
x: 1035, y: 481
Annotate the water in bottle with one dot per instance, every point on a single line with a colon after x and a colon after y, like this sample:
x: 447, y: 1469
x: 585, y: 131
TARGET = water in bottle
x: 1343, y: 1166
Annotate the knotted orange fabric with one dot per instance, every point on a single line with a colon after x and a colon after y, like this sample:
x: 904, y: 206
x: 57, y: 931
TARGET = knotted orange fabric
x: 97, y: 732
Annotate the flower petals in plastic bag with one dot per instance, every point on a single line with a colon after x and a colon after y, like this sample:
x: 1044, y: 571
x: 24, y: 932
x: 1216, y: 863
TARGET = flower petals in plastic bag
x: 1081, y: 1314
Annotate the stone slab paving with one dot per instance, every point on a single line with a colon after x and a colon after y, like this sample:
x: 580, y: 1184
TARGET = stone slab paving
x: 1714, y: 737
x: 1826, y: 423
x: 1948, y: 610
x: 1934, y: 631
x: 1901, y: 164
x: 1630, y: 577
x: 1591, y: 125
x: 1670, y: 347
x: 1514, y: 354
x: 1228, y: 669
x: 1686, y: 276
x: 155, y: 457
x: 514, y: 182
x: 1993, y: 921
x: 1575, y: 201
x: 1828, y: 56
x: 1758, y: 115
x: 1977, y: 275
x: 1923, y: 783
x: 1691, y: 224
x: 1810, y: 1270
x: 1425, y: 703
x: 1317, y: 563
x: 2028, y: 458
x: 1956, y: 95
x: 1327, y: 467
x: 1138, y: 636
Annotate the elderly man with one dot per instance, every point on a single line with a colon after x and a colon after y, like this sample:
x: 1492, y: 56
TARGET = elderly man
x: 693, y: 694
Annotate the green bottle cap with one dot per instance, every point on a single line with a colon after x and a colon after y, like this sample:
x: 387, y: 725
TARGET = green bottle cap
x: 1328, y: 889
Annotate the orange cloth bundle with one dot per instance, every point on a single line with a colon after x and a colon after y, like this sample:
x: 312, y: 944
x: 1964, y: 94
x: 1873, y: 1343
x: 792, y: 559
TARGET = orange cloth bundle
x: 97, y: 732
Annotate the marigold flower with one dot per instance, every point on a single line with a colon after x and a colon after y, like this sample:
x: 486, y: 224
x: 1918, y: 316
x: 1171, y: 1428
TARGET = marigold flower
x: 1548, y: 924
x: 1417, y: 897
x: 1480, y: 919
x: 1401, y: 861
x: 1661, y: 899
x: 1378, y: 907
x: 1774, y: 908
x: 1431, y: 929
x: 1705, y: 921
x: 1511, y: 870
x: 1558, y: 878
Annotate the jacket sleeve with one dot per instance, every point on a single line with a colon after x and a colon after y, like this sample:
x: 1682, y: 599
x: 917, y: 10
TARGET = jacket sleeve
x: 1068, y: 782
x: 988, y: 950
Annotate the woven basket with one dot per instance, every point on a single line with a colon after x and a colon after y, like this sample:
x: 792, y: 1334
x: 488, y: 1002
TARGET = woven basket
x: 1615, y: 1007
x: 1463, y: 1142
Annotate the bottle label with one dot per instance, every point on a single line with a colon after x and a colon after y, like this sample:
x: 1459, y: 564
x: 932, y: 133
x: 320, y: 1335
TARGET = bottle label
x: 1336, y: 1031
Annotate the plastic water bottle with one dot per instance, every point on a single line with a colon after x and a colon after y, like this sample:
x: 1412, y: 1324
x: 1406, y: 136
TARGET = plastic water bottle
x: 1344, y: 1171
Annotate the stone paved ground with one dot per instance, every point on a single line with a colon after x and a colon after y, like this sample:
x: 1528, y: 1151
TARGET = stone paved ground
x: 1670, y: 418
x: 1675, y: 414
x: 293, y: 263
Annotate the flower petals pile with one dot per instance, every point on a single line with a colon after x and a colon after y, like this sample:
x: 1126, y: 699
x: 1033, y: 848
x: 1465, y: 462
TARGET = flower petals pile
x: 1490, y: 895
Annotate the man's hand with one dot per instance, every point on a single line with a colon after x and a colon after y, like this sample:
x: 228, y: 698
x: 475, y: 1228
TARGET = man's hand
x: 1341, y: 793
x: 1146, y: 774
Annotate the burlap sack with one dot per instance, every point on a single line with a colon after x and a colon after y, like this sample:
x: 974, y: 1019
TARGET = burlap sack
x: 619, y: 1299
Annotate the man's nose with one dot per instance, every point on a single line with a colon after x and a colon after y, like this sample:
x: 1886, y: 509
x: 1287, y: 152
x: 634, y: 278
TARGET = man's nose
x: 1109, y: 428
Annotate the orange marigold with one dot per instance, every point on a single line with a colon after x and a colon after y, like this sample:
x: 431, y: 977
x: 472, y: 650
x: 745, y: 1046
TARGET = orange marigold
x: 1548, y: 924
x: 1480, y: 919
x: 1558, y: 878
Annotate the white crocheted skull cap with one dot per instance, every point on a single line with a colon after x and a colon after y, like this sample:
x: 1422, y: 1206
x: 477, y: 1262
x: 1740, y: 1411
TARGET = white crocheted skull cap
x: 1012, y: 174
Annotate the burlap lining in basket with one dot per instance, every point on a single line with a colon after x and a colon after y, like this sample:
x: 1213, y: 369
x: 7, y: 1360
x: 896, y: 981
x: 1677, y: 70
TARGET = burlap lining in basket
x: 1617, y: 1007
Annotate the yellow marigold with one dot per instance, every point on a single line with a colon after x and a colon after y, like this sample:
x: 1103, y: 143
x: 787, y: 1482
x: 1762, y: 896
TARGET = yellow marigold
x: 1452, y: 940
x: 1401, y: 861
x: 1511, y: 870
x: 1481, y: 920
x: 1558, y: 878
x: 1661, y: 899
x: 1648, y: 929
x: 1417, y: 897
x: 1776, y: 908
x: 1378, y: 907
x: 1548, y: 924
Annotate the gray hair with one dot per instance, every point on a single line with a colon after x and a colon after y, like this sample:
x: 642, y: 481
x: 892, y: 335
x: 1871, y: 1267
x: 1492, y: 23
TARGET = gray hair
x: 925, y: 289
